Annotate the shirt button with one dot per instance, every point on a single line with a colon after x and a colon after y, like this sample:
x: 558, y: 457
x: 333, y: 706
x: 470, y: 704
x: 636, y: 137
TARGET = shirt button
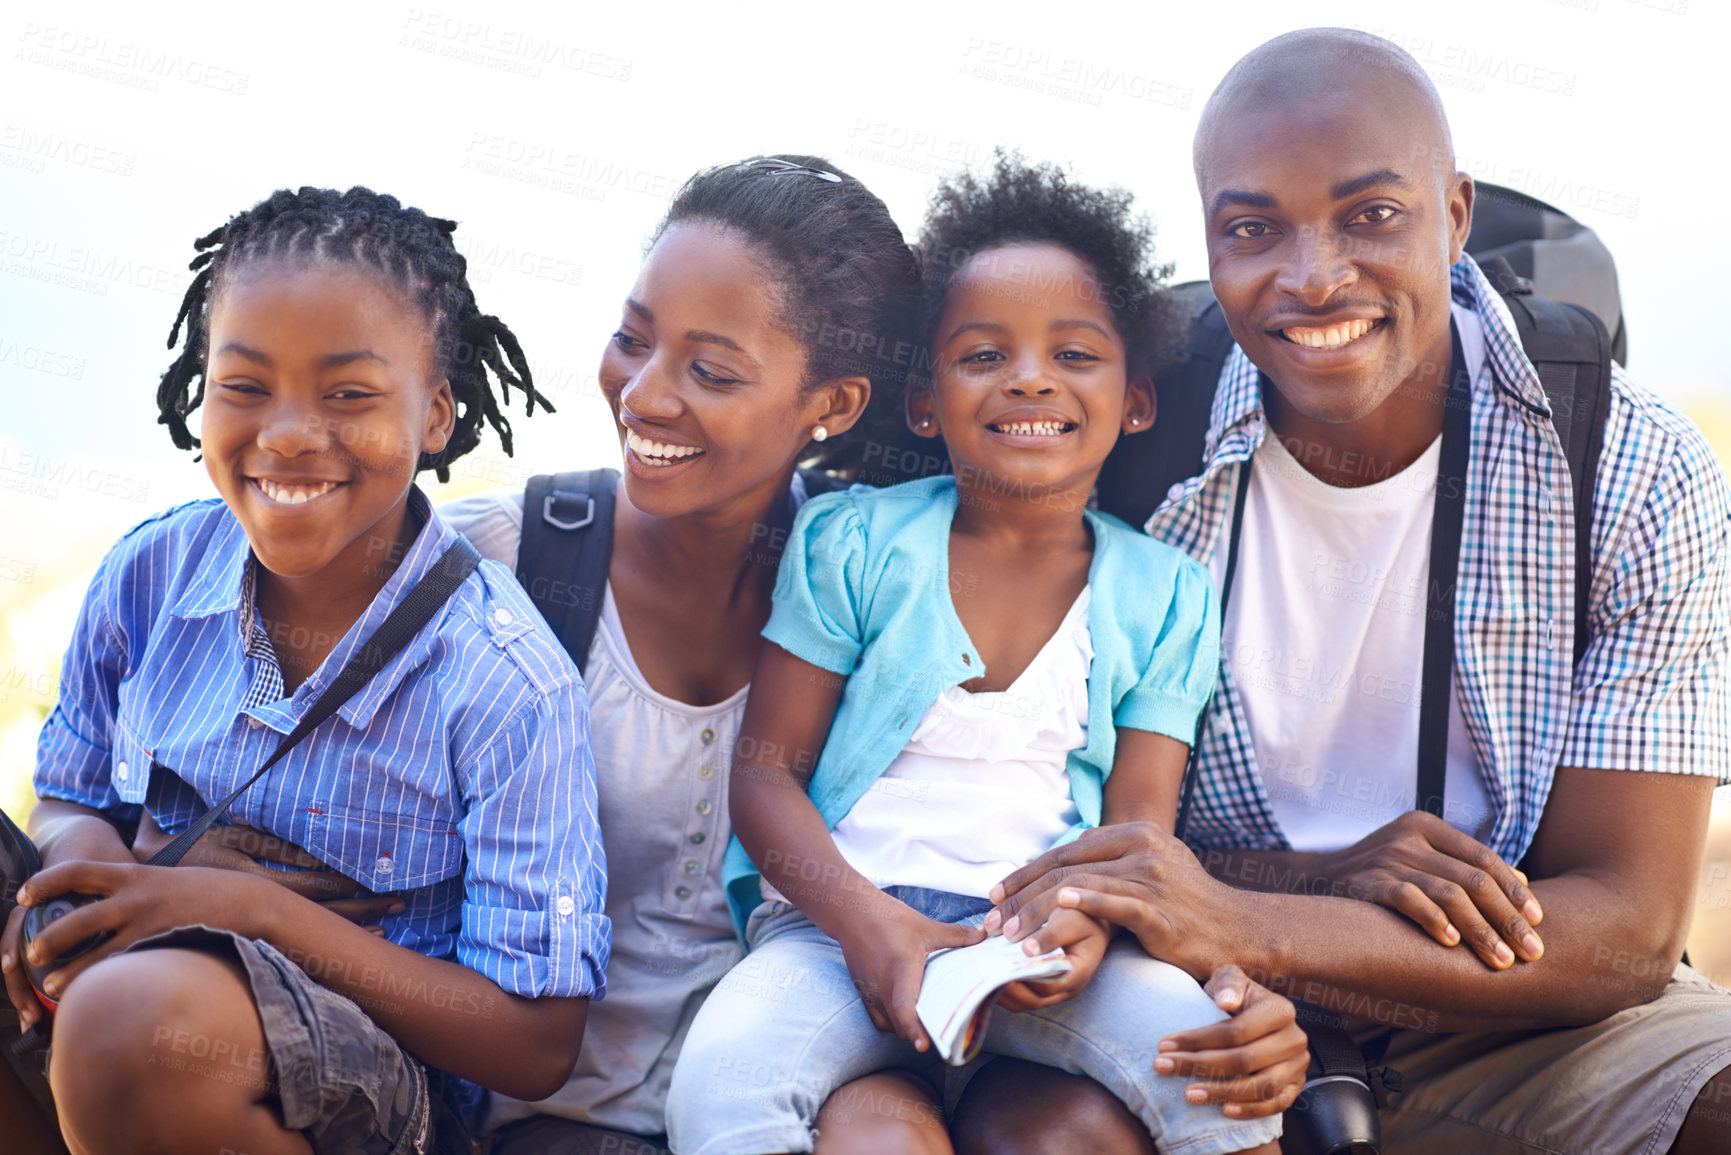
x: 691, y: 866
x: 682, y: 891
x: 502, y: 616
x: 121, y: 771
x: 697, y: 839
x: 704, y: 807
x: 708, y: 736
x: 706, y: 772
x: 384, y: 865
x: 566, y: 906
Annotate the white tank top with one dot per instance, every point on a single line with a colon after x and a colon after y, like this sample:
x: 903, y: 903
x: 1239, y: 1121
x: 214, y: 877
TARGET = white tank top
x: 982, y: 787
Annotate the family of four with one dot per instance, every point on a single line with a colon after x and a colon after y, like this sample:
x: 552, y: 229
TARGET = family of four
x: 971, y: 696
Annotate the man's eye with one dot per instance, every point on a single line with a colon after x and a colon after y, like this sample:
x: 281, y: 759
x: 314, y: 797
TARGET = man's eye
x: 351, y: 394
x: 1250, y: 230
x: 1377, y: 214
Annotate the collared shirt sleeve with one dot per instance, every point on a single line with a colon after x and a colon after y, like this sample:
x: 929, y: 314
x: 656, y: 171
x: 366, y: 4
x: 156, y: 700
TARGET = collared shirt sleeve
x: 536, y: 884
x: 817, y: 615
x: 1171, y: 692
x: 1651, y: 693
x: 73, y: 753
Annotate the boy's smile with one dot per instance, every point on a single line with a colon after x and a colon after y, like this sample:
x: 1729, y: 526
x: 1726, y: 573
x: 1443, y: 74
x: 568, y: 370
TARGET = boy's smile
x: 320, y: 404
x: 1030, y: 378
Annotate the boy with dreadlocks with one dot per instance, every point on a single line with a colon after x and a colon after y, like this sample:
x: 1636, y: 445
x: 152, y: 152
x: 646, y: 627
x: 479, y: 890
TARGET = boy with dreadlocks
x: 336, y: 349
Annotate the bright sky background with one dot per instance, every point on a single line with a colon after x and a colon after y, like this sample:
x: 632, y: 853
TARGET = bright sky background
x: 555, y: 137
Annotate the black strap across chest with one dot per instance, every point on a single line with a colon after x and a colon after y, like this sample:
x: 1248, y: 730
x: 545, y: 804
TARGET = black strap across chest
x: 1436, y: 666
x: 403, y: 622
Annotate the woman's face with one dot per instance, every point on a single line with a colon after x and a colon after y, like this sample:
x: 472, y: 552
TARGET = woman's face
x: 706, y: 384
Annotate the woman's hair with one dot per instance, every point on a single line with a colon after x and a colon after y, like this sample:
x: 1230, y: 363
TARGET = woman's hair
x: 405, y: 246
x: 847, y: 281
x: 1021, y: 203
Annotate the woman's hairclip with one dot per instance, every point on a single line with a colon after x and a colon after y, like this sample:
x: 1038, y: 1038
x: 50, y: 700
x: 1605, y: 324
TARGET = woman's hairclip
x: 773, y: 167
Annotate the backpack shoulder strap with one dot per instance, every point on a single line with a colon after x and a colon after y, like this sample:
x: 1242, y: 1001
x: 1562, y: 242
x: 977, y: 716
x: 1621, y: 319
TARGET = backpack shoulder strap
x: 566, y: 547
x: 1571, y: 350
x: 1141, y: 469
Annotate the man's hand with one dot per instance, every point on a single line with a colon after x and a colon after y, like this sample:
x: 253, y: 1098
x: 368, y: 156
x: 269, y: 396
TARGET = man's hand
x: 1084, y: 940
x: 1131, y: 874
x: 1254, y: 1063
x: 250, y: 851
x: 1453, y: 886
x: 886, y: 956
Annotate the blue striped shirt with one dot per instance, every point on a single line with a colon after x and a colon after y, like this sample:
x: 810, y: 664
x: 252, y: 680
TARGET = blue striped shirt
x: 459, y: 777
x: 1651, y: 693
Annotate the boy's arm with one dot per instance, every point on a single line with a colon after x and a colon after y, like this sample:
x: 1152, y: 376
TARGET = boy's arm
x: 443, y: 1012
x: 787, y: 720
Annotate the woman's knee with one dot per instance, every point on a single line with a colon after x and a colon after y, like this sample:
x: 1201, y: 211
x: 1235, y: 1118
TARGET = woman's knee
x: 1014, y: 1106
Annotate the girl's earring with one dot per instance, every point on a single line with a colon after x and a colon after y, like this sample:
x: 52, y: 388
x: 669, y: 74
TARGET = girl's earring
x: 1135, y: 421
x: 925, y: 423
x: 819, y: 434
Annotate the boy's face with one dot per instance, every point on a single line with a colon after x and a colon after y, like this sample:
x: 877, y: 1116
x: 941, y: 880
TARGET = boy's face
x: 1030, y: 377
x: 319, y: 401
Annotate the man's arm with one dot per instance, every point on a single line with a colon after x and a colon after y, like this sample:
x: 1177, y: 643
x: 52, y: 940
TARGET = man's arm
x: 1615, y: 862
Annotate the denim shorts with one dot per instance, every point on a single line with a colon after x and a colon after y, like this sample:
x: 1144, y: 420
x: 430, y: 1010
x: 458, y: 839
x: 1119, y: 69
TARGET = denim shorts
x: 341, y: 1081
x: 786, y: 1028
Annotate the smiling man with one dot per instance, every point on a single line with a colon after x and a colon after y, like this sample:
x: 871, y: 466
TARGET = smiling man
x: 1531, y: 1009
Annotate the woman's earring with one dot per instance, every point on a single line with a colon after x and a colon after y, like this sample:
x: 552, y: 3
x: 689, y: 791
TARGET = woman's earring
x: 925, y: 423
x: 819, y: 434
x: 1135, y: 421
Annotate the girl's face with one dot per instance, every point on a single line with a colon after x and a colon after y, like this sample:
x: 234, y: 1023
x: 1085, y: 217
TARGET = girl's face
x: 705, y: 382
x: 320, y: 399
x: 1030, y: 382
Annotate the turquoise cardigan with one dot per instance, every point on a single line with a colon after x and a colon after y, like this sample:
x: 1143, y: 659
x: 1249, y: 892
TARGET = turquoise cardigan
x: 864, y: 591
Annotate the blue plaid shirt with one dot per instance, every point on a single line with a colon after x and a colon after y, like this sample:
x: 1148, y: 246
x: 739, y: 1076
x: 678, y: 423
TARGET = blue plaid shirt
x: 1650, y: 692
x: 458, y: 777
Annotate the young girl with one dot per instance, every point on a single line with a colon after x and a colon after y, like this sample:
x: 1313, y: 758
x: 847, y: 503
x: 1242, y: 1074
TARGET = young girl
x: 964, y: 671
x: 336, y: 349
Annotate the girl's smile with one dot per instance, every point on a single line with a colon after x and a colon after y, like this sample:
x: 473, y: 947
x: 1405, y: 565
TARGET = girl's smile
x: 1031, y: 382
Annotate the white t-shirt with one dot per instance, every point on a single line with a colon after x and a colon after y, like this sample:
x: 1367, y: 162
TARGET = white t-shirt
x: 982, y: 786
x: 1324, y: 633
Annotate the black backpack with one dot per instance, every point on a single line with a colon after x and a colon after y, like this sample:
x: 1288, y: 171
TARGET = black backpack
x: 567, y: 544
x: 1526, y: 248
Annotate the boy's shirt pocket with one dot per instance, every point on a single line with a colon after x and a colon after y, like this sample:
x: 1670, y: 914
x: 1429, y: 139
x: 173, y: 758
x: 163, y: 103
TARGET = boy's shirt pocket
x: 386, y: 849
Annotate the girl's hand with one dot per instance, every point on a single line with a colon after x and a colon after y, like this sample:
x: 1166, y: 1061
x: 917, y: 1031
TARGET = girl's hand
x: 1254, y: 1062
x: 134, y: 902
x: 249, y: 850
x: 1084, y: 940
x: 886, y: 955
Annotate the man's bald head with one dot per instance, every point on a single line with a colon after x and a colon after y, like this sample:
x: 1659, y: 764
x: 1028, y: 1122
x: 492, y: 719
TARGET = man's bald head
x: 1328, y: 69
x: 1333, y: 214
